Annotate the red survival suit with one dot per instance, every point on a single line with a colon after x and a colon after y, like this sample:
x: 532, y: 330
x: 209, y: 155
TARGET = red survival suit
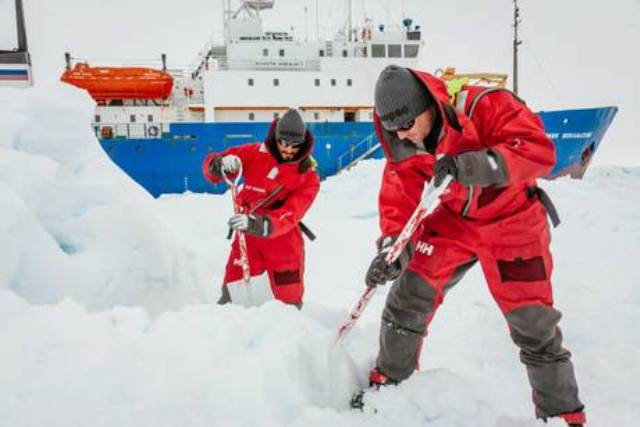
x: 276, y: 262
x: 503, y: 226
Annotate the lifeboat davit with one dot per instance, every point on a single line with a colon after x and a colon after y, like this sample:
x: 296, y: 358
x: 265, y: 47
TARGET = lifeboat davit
x: 106, y: 83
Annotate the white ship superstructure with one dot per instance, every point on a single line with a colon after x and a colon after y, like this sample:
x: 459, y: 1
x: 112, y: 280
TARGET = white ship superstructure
x: 254, y: 75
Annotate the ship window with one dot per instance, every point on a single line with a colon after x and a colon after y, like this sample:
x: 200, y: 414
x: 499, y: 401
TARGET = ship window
x: 349, y: 116
x: 317, y: 82
x: 410, y: 50
x: 250, y: 82
x: 349, y: 82
x: 333, y: 82
x: 276, y: 82
x: 321, y: 53
x: 413, y: 35
x: 281, y: 52
x: 97, y: 118
x: 395, y: 51
x: 344, y: 53
x: 252, y: 116
x: 378, y: 50
x: 132, y: 118
x: 150, y: 118
x: 316, y: 116
x: 265, y: 52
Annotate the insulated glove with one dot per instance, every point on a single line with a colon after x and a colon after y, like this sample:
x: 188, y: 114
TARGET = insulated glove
x: 445, y: 165
x: 257, y: 225
x: 482, y: 168
x: 379, y: 271
x: 230, y: 164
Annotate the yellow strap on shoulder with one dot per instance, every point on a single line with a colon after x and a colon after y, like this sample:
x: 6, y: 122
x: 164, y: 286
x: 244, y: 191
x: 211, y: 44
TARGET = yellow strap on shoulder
x: 455, y: 85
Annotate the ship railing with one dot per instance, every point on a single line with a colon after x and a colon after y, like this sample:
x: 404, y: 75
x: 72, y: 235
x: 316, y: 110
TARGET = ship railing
x: 357, y: 152
x: 151, y: 130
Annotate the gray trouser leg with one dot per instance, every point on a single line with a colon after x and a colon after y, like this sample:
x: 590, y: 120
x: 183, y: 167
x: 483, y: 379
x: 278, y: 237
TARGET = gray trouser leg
x: 410, y: 301
x: 535, y: 330
x: 225, y: 298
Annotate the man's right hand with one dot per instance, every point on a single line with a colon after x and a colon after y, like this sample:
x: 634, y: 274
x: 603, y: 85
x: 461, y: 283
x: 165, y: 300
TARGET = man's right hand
x: 379, y: 271
x: 230, y: 164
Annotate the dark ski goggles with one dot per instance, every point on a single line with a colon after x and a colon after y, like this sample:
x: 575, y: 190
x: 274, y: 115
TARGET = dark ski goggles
x: 289, y: 143
x: 403, y: 127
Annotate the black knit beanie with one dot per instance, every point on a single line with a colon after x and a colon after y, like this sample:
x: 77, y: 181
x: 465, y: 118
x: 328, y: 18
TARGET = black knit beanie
x: 291, y: 127
x: 400, y: 97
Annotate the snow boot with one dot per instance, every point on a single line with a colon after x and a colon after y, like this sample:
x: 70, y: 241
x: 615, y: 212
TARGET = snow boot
x: 573, y: 419
x: 377, y: 379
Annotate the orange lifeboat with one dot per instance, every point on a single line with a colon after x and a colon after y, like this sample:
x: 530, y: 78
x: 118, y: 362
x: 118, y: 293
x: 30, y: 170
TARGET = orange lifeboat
x: 105, y: 83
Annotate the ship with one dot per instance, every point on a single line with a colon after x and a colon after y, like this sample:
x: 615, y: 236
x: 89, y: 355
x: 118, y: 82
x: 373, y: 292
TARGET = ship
x: 157, y: 124
x: 15, y: 61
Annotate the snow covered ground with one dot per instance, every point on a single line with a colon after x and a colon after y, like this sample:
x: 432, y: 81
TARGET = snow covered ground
x: 107, y: 314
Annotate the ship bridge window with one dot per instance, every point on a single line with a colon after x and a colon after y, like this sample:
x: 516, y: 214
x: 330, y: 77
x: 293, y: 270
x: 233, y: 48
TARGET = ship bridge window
x: 344, y: 53
x: 333, y: 82
x: 132, y: 118
x: 395, y: 51
x: 250, y: 82
x: 321, y: 53
x: 316, y: 116
x: 413, y: 35
x: 265, y: 52
x: 349, y: 82
x: 317, y: 82
x: 276, y: 82
x: 410, y: 50
x: 281, y: 52
x: 252, y: 116
x: 378, y: 51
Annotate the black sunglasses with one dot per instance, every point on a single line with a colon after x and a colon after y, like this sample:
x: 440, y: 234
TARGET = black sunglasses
x: 290, y: 143
x: 403, y: 127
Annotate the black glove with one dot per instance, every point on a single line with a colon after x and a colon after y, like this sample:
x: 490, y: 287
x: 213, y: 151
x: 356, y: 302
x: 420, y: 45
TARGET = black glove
x: 379, y: 272
x: 445, y: 165
x: 482, y: 168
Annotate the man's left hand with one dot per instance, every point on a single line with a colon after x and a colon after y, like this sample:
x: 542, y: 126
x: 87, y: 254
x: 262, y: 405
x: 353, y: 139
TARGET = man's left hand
x: 482, y: 168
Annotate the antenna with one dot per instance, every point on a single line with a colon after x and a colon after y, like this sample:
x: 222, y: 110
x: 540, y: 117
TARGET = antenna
x: 306, y: 24
x: 516, y: 42
x: 350, y: 22
x: 317, y: 23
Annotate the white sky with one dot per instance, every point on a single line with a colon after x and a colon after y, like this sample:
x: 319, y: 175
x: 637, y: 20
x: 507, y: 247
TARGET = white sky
x: 576, y: 53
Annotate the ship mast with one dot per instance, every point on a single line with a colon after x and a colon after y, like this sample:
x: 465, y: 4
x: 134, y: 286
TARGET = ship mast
x: 516, y: 43
x: 22, y: 33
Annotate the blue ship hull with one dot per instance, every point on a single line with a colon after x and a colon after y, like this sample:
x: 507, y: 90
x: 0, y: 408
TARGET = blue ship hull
x: 172, y: 163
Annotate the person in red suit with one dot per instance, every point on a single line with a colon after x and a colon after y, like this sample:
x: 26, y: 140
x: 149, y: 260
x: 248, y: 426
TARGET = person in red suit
x: 280, y: 184
x: 492, y: 213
